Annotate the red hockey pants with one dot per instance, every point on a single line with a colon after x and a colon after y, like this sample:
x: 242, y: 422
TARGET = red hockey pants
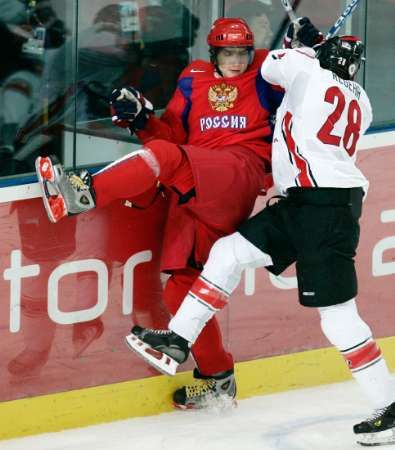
x: 133, y: 175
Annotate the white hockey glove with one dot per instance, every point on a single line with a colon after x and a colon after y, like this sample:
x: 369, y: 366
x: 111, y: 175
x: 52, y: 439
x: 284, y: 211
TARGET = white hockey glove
x: 129, y: 109
x: 302, y: 34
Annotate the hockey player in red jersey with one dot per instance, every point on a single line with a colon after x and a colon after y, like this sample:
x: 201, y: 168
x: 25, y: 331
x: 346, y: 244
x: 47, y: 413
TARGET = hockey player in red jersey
x: 211, y: 151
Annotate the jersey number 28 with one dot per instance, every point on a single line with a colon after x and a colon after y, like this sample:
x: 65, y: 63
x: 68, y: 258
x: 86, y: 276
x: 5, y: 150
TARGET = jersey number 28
x: 354, y: 117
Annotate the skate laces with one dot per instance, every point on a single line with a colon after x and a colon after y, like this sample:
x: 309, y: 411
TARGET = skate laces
x: 377, y: 415
x: 159, y: 332
x: 200, y: 388
x: 78, y: 182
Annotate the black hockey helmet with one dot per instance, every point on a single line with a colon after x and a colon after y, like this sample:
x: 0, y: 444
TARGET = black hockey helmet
x: 341, y: 55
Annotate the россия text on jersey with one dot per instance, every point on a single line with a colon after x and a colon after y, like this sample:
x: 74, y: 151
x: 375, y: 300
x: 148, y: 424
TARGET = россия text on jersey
x: 226, y: 121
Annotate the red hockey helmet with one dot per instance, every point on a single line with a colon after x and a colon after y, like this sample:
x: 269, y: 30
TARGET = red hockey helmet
x: 230, y: 32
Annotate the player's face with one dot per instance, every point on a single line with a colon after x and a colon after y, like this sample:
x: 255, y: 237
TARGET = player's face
x: 232, y: 61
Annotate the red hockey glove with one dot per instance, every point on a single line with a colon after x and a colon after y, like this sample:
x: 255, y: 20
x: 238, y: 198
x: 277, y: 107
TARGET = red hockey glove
x: 302, y: 34
x: 129, y: 109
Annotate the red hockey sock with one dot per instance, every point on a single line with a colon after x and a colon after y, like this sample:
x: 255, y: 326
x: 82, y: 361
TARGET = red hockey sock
x: 125, y: 178
x: 208, y: 350
x: 136, y: 173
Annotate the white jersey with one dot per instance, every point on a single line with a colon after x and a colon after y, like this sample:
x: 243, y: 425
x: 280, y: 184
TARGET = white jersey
x: 318, y: 123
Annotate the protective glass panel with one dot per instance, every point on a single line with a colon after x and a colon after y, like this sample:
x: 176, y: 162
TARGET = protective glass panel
x: 380, y: 57
x: 31, y: 117
x: 127, y: 43
x: 63, y: 58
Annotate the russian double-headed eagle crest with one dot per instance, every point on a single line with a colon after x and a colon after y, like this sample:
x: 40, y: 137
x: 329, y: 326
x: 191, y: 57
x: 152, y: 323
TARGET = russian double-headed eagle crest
x: 222, y: 96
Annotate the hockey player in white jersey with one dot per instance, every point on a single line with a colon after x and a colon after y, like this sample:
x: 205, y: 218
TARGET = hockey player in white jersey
x: 319, y: 121
x: 315, y: 224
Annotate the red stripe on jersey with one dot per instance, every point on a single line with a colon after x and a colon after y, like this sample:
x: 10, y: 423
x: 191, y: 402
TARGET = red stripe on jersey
x: 362, y: 356
x: 209, y: 294
x: 303, y: 166
x: 305, y: 54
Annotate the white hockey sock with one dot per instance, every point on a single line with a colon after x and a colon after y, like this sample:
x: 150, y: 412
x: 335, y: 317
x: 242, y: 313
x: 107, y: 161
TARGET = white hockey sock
x: 376, y: 384
x: 191, y: 318
x: 345, y: 329
x: 203, y: 300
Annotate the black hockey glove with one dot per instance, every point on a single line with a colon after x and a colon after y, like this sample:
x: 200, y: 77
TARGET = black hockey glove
x: 302, y: 34
x: 129, y: 109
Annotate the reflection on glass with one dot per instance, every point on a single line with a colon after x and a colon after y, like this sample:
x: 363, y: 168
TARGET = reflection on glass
x: 145, y: 46
x: 47, y: 88
x: 54, y: 77
x: 43, y: 245
x: 42, y: 354
x: 380, y: 61
x: 260, y: 18
x: 29, y: 31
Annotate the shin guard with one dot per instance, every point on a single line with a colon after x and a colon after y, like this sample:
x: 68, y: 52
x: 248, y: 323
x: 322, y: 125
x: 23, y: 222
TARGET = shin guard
x: 202, y: 302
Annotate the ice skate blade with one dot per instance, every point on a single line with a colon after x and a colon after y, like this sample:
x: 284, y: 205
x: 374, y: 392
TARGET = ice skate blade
x: 45, y: 183
x: 160, y: 361
x: 44, y: 169
x: 194, y: 407
x: 386, y: 437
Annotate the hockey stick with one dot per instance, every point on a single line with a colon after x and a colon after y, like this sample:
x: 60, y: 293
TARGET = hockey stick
x: 333, y: 30
x: 339, y: 22
x: 337, y: 25
x: 288, y: 8
x: 283, y: 26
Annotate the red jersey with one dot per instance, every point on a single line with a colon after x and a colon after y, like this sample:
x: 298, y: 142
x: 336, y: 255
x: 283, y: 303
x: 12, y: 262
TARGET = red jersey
x: 214, y: 112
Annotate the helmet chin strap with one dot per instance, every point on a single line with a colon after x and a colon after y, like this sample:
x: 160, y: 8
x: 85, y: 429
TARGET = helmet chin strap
x: 218, y: 70
x: 213, y: 58
x: 251, y: 54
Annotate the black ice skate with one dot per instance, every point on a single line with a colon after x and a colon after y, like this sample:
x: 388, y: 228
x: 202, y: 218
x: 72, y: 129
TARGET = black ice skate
x: 378, y: 430
x: 162, y: 349
x: 64, y: 194
x: 214, y: 390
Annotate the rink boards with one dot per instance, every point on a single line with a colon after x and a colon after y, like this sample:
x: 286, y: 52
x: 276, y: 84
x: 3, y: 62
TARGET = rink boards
x: 71, y: 291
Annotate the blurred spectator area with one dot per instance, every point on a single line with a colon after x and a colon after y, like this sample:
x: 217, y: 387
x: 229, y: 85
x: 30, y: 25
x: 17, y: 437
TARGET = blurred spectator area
x: 60, y: 87
x: 62, y: 59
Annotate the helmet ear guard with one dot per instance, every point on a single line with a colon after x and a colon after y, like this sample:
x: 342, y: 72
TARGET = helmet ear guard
x: 341, y: 55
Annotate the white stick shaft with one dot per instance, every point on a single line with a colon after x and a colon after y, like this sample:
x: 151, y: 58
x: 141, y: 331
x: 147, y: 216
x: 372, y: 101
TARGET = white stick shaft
x: 288, y: 8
